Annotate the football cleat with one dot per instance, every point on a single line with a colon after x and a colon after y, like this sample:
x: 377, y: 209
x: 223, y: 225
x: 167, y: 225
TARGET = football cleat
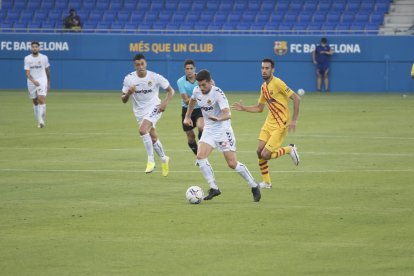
x: 41, y: 125
x: 165, y: 166
x: 212, y: 193
x: 150, y: 167
x: 294, y: 154
x: 264, y: 185
x: 256, y: 193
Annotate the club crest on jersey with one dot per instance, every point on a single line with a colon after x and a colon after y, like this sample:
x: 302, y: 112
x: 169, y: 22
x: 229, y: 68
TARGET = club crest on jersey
x: 209, y: 102
x: 280, y: 48
x: 149, y: 83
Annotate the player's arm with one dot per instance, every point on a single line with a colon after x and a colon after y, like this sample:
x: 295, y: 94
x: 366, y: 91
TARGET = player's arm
x: 258, y: 108
x: 170, y: 93
x: 225, y: 115
x: 412, y: 71
x: 190, y: 108
x: 29, y: 76
x: 125, y: 95
x: 185, y: 98
x: 296, y: 102
x: 48, y: 77
x: 314, y: 56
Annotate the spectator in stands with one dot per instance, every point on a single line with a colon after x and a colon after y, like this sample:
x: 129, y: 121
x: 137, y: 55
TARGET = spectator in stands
x: 412, y: 72
x: 72, y: 21
x: 320, y: 57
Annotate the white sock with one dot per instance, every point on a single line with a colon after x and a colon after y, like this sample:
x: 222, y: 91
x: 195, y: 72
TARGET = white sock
x: 148, y: 146
x: 160, y: 151
x: 208, y: 172
x: 35, y: 110
x: 244, y: 172
x: 41, y: 109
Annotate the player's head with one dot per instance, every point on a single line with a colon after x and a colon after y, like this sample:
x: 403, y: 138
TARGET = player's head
x: 35, y: 47
x: 140, y: 65
x: 204, y: 81
x: 268, y: 68
x: 324, y: 41
x: 72, y: 12
x: 189, y: 68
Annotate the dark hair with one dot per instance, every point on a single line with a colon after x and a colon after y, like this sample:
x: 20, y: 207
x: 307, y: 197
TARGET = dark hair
x: 203, y: 75
x: 35, y: 43
x: 138, y: 57
x: 324, y: 40
x: 189, y: 62
x: 271, y: 61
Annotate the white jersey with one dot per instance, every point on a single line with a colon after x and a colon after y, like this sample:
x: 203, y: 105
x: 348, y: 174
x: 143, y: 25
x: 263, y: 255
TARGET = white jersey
x: 37, y: 67
x: 211, y: 105
x: 146, y: 90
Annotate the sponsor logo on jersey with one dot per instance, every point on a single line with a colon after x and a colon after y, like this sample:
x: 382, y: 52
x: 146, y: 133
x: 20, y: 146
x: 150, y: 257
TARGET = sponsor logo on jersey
x: 143, y: 91
x: 280, y: 48
x: 149, y: 83
x: 207, y: 108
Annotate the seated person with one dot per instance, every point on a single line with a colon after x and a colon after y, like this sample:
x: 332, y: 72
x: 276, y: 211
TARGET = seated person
x: 72, y: 21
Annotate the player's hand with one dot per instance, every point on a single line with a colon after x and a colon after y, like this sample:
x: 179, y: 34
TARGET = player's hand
x: 238, y: 106
x: 131, y: 90
x: 292, y: 126
x: 162, y: 107
x: 36, y: 83
x: 214, y: 118
x: 187, y: 121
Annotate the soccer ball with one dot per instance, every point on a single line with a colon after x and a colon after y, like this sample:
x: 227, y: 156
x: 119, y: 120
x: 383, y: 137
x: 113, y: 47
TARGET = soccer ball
x: 301, y: 92
x: 194, y: 195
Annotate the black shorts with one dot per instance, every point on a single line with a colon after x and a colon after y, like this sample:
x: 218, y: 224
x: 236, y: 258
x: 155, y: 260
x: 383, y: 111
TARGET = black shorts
x: 194, y: 117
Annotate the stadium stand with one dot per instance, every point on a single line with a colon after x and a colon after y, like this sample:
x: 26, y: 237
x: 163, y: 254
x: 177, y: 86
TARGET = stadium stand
x: 238, y: 16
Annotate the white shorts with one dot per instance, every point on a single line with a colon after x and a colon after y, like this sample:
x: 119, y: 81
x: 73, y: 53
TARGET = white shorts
x: 35, y: 91
x: 151, y: 114
x: 223, y: 140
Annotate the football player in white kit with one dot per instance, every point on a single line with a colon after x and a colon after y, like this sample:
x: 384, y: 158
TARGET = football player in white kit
x: 37, y: 68
x: 217, y: 133
x: 143, y: 86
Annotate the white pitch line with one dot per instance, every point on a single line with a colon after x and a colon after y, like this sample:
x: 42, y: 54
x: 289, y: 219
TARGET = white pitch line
x: 197, y: 171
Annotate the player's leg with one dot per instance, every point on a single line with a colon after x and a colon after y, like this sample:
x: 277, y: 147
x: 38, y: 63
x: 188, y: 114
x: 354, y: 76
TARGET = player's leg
x: 326, y: 80
x: 204, y: 150
x: 35, y: 108
x: 273, y: 148
x: 144, y: 130
x: 318, y: 79
x: 160, y: 151
x: 192, y: 144
x: 199, y: 123
x: 264, y: 135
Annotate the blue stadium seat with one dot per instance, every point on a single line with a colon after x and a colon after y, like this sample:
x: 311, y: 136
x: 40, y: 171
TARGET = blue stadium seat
x: 109, y: 16
x: 253, y: 5
x: 228, y: 27
x: 310, y: 6
x: 347, y: 17
x: 95, y: 16
x: 102, y: 5
x: 226, y: 6
x: 342, y: 28
x: 186, y: 26
x: 333, y: 17
x: 357, y: 28
x: 214, y: 26
x: 116, y: 5
x: 89, y: 26
x: 184, y: 5
x: 328, y: 27
x: 103, y: 26
x: 171, y: 5
x: 6, y: 27
x: 285, y: 28
x: 262, y: 18
x: 198, y: 5
x: 19, y: 5
x: 179, y: 17
x: 123, y: 16
x: 243, y: 28
x: 26, y: 16
x: 201, y: 26
x: 33, y: 5
x: 40, y: 16
x: 239, y: 6
x: 319, y: 17
x: 212, y: 5
x: 117, y: 26
x: 7, y: 5
x: 234, y: 17
x: 338, y: 6
x: 353, y: 6
x: 172, y: 26
x: 20, y: 26
x: 362, y: 17
x: 61, y: 5
x: 13, y: 15
x: 157, y: 5
x: 256, y: 27
x: 290, y: 17
x: 207, y: 17
x: 367, y: 6
x: 220, y: 17
x: 75, y: 4
x: 55, y: 15
x: 47, y: 26
x: 382, y: 7
x: 151, y: 16
x: 47, y: 5
x: 371, y: 28
x: 295, y: 6
x: 300, y: 28
x: 271, y: 26
x: 324, y: 5
x: 304, y: 17
x: 159, y: 26
x: 267, y: 6
x: 192, y: 17
x: 84, y: 15
x: 33, y: 26
x: 377, y: 18
x: 314, y: 28
x: 248, y: 17
x: 137, y: 16
x: 133, y: 26
x: 165, y: 16
x: 88, y: 6
x: 277, y: 17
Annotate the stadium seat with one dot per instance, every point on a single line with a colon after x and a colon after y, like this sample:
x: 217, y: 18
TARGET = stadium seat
x: 234, y: 17
x: 201, y: 26
x: 310, y: 6
x: 282, y: 6
x: 262, y: 17
x: 184, y: 5
x: 40, y: 16
x: 314, y: 28
x: 290, y: 17
x: 171, y: 5
x: 319, y: 17
x: 89, y: 27
x: 75, y: 4
x: 102, y: 5
x: 248, y: 17
x: 357, y: 28
x: 61, y: 5
x: 243, y: 28
x: 133, y: 26
x: 151, y: 16
x: 239, y: 6
x: 276, y: 17
x: 220, y: 17
x: 88, y: 5
x: 214, y: 26
x: 347, y: 17
x: 212, y: 5
x: 382, y: 7
x: 367, y: 6
x: 123, y: 16
x: 186, y: 26
x: 117, y: 26
x: 103, y: 26
x: 371, y: 28
x: 271, y: 26
x: 179, y: 17
x: 328, y: 27
x: 6, y: 5
x: 109, y: 16
x: 198, y: 5
x: 95, y: 16
x: 225, y: 6
x: 47, y: 26
x: 47, y: 5
x: 165, y: 16
x: 33, y: 5
x: 26, y: 16
x: 159, y: 26
x: 338, y: 6
x: 377, y: 18
x: 295, y: 6
x: 157, y: 5
x: 300, y: 28
x: 267, y: 6
x: 172, y: 26
x: 342, y: 28
x: 362, y: 17
x: 83, y: 14
x: 253, y: 5
x: 206, y: 17
x: 256, y: 27
x: 137, y: 16
x: 33, y: 26
x: 353, y: 6
x: 333, y: 17
x: 228, y: 27
x: 304, y: 17
x: 192, y: 17
x: 285, y: 28
x: 55, y: 15
x: 6, y: 27
x: 19, y: 27
x: 13, y: 15
x: 19, y: 5
x: 324, y: 5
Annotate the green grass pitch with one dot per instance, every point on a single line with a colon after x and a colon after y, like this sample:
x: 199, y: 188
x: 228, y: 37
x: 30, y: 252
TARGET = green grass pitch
x: 74, y: 199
